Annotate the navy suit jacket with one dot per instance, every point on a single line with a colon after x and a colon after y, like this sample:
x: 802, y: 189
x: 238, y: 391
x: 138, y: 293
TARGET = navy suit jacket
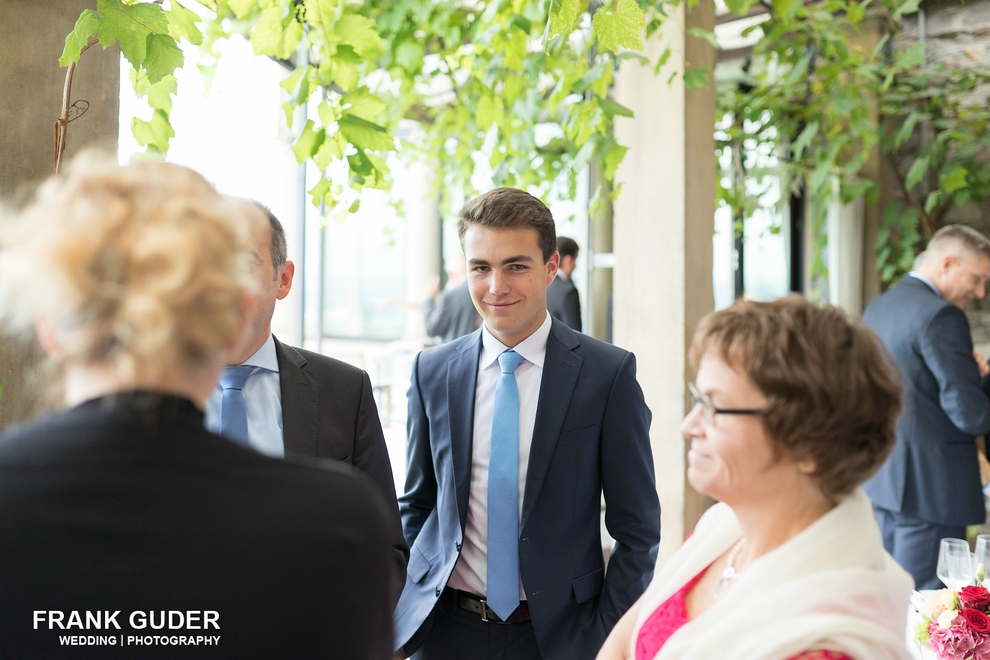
x: 932, y: 472
x: 591, y: 436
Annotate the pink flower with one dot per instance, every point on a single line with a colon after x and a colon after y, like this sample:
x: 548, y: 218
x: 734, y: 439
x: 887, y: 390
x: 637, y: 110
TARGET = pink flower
x: 958, y: 642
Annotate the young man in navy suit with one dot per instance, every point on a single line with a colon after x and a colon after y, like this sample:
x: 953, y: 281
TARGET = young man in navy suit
x: 929, y: 488
x: 515, y: 432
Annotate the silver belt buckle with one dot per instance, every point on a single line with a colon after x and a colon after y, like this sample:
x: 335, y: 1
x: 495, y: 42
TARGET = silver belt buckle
x: 484, y: 610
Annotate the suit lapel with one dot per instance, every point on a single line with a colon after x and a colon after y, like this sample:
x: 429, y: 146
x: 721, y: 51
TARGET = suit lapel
x: 561, y: 368
x: 462, y: 375
x: 300, y: 402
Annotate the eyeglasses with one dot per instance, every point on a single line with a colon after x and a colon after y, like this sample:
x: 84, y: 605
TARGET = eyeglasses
x: 709, y: 409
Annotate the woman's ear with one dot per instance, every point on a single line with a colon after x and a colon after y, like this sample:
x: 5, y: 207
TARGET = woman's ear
x: 47, y: 337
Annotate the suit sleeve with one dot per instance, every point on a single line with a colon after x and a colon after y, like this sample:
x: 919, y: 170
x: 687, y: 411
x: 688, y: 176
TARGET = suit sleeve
x: 420, y: 497
x: 632, y: 508
x: 371, y: 457
x: 436, y: 316
x: 947, y: 349
x: 572, y: 309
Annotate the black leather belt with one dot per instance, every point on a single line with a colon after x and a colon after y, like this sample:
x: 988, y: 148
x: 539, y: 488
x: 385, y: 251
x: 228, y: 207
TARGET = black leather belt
x: 477, y: 604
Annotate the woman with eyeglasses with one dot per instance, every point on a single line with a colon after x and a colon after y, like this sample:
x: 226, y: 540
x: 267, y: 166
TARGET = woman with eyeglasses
x: 793, y: 408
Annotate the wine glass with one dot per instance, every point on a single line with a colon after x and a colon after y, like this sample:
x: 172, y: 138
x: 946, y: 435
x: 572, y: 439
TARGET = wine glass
x: 983, y: 555
x: 955, y: 564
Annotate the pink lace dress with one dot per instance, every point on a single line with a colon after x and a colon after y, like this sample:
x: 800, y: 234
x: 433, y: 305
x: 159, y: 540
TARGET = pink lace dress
x: 672, y: 614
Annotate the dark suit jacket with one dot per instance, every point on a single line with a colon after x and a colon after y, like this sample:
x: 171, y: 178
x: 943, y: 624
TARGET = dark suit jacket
x: 132, y: 505
x: 591, y: 435
x: 564, y: 302
x: 329, y: 411
x: 451, y: 315
x: 933, y: 471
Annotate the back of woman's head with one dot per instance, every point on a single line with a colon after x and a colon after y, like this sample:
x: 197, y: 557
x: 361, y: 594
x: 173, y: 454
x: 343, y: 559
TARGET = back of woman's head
x: 138, y: 268
x: 833, y: 395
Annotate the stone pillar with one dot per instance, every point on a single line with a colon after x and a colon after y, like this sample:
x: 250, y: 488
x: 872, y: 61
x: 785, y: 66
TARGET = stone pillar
x: 663, y: 229
x: 33, y: 33
x: 423, y: 229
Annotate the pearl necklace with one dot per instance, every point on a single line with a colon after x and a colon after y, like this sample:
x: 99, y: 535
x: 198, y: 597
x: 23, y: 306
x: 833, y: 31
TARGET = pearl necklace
x: 724, y: 580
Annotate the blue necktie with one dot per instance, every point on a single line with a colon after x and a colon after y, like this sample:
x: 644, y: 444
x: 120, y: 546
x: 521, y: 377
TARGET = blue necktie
x: 233, y: 413
x: 503, y: 492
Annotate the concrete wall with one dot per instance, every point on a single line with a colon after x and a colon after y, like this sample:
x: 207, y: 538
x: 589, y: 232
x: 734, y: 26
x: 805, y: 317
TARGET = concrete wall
x: 33, y: 33
x: 663, y: 227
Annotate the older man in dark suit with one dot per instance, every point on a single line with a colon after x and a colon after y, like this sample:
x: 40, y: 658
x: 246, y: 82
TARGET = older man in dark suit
x: 299, y: 403
x: 929, y: 488
x: 515, y: 431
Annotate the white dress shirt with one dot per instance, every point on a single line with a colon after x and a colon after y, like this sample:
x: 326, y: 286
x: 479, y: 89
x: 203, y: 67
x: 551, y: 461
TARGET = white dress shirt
x: 471, y: 571
x: 263, y: 401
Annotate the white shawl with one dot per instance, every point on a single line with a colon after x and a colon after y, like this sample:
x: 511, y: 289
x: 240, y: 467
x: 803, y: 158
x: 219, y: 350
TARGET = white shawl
x: 831, y: 587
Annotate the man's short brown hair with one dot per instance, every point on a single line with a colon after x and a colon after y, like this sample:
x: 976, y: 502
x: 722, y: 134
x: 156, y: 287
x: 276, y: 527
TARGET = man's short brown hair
x: 503, y: 208
x: 833, y: 394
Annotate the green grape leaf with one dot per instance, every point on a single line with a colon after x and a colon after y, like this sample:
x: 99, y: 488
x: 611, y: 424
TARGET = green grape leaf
x: 75, y: 41
x: 365, y: 135
x: 908, y: 7
x: 130, y: 25
x: 344, y: 68
x: 917, y: 171
x: 697, y: 77
x: 913, y: 56
x: 241, y: 8
x: 932, y: 200
x: 290, y: 39
x: 611, y: 108
x: 322, y: 13
x: 620, y: 28
x: 267, y: 32
x: 707, y: 35
x: 320, y: 192
x: 804, y: 140
x: 160, y: 94
x: 563, y: 15
x: 359, y: 33
x: 786, y: 8
x: 955, y: 181
x: 363, y: 104
x: 409, y: 55
x: 309, y: 142
x: 488, y: 112
x: 856, y: 12
x: 155, y: 133
x: 333, y: 147
x: 182, y: 24
x: 613, y: 157
x: 328, y: 113
x: 163, y: 57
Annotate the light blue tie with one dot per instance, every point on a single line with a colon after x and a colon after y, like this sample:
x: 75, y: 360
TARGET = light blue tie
x: 503, y: 492
x: 233, y: 414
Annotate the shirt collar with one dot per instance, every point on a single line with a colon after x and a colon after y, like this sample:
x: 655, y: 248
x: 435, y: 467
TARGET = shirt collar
x: 532, y: 348
x: 265, y: 357
x: 931, y: 285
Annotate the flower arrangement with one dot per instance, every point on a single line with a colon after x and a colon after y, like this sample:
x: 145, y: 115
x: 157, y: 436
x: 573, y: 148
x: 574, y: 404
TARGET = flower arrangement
x: 955, y: 625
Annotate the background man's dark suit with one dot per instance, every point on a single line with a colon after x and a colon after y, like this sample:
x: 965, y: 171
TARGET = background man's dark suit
x: 106, y: 509
x: 932, y: 473
x: 329, y: 411
x: 591, y: 434
x: 564, y: 303
x: 451, y: 314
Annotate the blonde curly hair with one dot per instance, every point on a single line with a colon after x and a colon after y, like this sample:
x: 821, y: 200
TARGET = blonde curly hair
x: 139, y: 268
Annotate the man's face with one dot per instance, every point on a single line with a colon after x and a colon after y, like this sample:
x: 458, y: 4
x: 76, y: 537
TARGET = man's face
x: 508, y: 279
x: 269, y: 287
x: 964, y: 278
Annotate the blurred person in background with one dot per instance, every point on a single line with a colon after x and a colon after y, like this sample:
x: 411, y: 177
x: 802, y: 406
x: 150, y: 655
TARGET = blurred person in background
x: 793, y: 409
x: 563, y: 301
x: 450, y: 313
x: 137, y: 280
x: 930, y: 486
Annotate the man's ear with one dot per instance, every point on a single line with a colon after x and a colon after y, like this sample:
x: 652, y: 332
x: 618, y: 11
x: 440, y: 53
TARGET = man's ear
x: 47, y: 337
x: 553, y: 266
x: 285, y: 274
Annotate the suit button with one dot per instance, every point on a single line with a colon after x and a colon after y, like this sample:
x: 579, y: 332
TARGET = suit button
x: 438, y: 592
x: 458, y: 547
